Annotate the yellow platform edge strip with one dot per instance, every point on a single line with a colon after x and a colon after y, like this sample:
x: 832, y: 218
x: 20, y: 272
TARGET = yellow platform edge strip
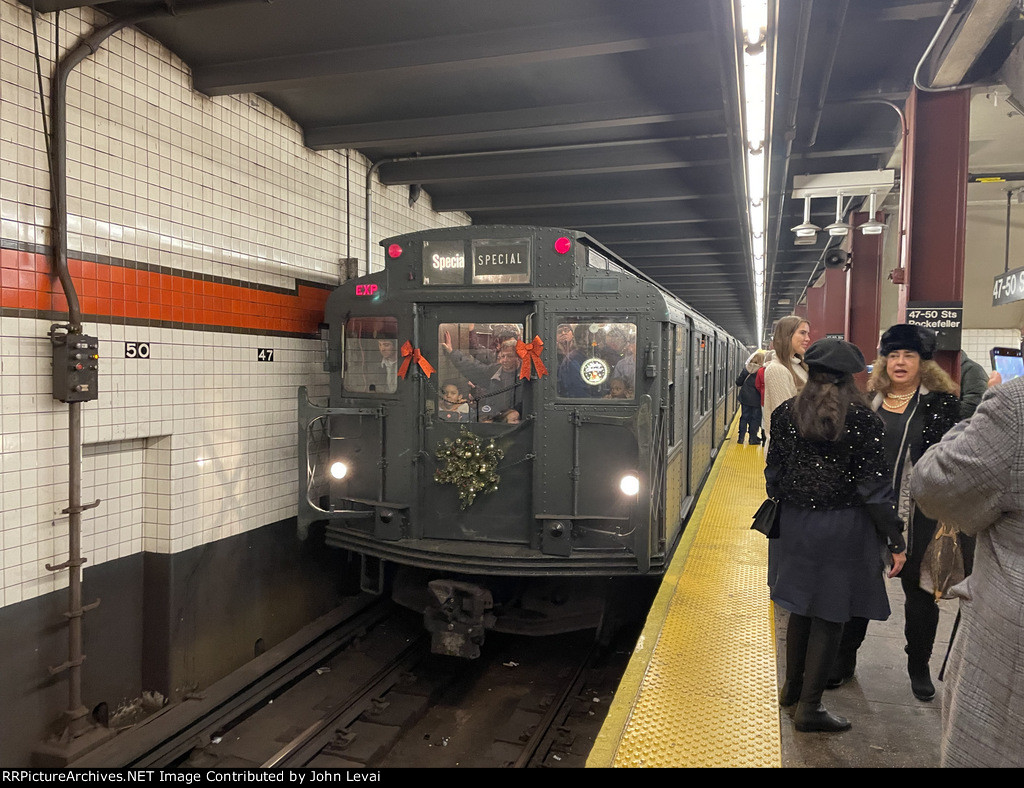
x: 700, y: 689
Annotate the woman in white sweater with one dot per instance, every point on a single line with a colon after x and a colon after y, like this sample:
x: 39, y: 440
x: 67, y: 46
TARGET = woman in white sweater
x: 786, y: 373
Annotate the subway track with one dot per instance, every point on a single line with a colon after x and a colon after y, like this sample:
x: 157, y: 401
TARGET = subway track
x: 366, y: 693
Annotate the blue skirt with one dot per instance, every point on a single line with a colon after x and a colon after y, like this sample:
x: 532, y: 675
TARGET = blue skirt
x: 828, y: 564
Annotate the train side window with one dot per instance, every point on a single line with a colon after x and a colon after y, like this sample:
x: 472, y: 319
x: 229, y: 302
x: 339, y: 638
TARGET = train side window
x: 371, y: 355
x: 478, y: 370
x: 596, y: 360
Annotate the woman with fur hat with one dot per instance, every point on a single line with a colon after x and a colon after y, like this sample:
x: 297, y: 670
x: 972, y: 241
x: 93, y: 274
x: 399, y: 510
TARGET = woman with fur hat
x: 826, y: 468
x: 918, y: 403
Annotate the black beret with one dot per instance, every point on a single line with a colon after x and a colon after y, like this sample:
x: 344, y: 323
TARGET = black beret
x: 903, y: 336
x: 835, y: 355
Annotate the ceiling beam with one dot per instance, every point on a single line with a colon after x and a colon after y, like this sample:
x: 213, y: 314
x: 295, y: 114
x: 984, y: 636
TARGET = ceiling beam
x: 437, y: 57
x: 490, y: 200
x: 500, y: 128
x: 558, y: 161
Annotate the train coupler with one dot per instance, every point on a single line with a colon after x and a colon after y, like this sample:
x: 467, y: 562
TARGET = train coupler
x: 457, y: 617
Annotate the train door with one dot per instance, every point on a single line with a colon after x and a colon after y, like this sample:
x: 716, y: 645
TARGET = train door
x: 678, y: 495
x: 477, y: 388
x: 701, y: 404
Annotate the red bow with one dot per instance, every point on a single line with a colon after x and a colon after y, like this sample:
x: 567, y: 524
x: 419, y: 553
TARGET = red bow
x: 531, y: 351
x: 409, y: 353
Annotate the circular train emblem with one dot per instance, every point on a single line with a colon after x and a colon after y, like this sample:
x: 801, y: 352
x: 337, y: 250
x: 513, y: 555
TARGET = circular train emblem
x: 594, y: 371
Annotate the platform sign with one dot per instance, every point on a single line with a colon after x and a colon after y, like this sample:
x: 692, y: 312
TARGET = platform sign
x: 1008, y: 287
x: 945, y: 318
x: 836, y: 336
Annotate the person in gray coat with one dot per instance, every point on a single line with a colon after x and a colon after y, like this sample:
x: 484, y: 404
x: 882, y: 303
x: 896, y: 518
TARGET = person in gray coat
x: 973, y: 479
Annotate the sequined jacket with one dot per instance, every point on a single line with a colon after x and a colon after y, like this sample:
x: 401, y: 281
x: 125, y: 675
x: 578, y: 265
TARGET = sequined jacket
x: 842, y: 474
x: 933, y: 415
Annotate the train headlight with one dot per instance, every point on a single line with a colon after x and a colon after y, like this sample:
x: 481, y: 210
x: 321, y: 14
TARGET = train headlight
x: 629, y: 484
x: 339, y: 470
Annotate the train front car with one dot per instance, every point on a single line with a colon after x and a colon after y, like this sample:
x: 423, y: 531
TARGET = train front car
x: 494, y: 446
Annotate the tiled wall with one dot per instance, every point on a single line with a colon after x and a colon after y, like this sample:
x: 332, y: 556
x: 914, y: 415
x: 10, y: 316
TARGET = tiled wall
x: 978, y: 342
x: 200, y: 226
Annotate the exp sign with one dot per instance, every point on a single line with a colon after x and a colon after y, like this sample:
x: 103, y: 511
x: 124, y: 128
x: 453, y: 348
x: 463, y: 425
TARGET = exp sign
x: 367, y: 290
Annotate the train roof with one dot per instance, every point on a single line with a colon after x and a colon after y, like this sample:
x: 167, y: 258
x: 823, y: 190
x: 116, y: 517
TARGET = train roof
x: 461, y: 231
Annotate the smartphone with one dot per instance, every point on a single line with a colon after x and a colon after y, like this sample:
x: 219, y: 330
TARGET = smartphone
x: 1007, y: 361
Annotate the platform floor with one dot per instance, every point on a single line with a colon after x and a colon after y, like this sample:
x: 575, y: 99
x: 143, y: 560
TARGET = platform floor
x: 702, y: 686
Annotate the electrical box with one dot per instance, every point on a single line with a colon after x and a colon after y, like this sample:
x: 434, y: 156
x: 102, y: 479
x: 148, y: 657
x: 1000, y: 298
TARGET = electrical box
x: 75, y: 367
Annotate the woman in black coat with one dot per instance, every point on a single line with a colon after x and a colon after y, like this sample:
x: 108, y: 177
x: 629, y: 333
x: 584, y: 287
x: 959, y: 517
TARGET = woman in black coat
x: 918, y: 402
x: 826, y: 468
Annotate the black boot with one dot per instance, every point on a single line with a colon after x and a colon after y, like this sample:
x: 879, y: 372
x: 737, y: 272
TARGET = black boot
x: 921, y: 622
x: 797, y: 632
x: 817, y: 718
x: 842, y: 670
x: 846, y: 660
x: 822, y: 646
x: 920, y: 678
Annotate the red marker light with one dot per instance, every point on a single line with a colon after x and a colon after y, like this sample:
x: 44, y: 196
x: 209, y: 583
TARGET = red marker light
x: 394, y: 251
x: 563, y: 245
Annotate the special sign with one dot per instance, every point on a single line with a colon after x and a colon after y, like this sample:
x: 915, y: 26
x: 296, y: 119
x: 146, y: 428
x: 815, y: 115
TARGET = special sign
x: 504, y: 261
x: 444, y: 262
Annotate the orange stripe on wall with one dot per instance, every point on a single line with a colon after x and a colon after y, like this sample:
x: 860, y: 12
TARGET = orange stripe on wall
x: 111, y: 291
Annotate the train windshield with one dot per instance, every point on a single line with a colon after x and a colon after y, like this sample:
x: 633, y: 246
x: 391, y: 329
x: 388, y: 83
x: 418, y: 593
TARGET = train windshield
x: 596, y: 360
x: 478, y: 374
x: 371, y: 355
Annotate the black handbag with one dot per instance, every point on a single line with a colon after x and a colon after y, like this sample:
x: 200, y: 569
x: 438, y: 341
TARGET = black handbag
x: 766, y: 519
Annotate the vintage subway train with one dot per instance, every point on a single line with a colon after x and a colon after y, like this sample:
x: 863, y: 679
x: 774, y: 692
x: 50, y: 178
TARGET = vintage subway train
x: 518, y: 420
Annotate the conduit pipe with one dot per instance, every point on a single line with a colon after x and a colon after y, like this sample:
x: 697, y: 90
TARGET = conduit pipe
x: 76, y: 715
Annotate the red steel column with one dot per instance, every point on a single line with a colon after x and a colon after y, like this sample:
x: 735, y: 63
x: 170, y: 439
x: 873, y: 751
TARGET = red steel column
x: 864, y: 287
x: 816, y: 311
x: 936, y: 174
x: 836, y: 302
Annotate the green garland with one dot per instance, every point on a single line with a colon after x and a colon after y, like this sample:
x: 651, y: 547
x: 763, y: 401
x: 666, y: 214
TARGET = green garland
x: 470, y: 465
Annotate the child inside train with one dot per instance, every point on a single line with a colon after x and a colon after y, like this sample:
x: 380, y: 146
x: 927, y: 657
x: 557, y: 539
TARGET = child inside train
x: 452, y: 406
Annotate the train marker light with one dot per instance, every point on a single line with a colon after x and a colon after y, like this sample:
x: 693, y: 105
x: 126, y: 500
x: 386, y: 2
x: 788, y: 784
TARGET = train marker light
x: 339, y: 470
x: 630, y: 485
x: 394, y: 250
x: 563, y: 245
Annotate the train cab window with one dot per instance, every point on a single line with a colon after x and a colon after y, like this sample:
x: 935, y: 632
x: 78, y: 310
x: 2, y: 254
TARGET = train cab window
x: 371, y: 355
x: 599, y: 261
x: 596, y: 360
x: 479, y: 372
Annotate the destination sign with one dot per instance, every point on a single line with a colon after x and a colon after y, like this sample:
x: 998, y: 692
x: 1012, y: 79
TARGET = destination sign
x: 1008, y: 287
x: 505, y: 261
x: 945, y: 318
x: 444, y: 263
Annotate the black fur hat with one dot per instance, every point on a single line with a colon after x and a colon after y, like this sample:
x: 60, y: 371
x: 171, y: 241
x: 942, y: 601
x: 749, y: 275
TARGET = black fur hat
x: 903, y: 336
x: 834, y: 355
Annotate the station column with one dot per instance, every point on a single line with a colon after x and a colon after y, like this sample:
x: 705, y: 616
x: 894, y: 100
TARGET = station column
x: 864, y: 287
x: 827, y: 305
x: 936, y: 176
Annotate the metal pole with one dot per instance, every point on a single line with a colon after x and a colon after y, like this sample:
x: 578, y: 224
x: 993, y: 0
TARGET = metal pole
x: 76, y: 713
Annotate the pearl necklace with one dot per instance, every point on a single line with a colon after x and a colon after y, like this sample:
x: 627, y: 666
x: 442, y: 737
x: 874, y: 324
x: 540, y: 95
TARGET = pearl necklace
x: 901, y: 397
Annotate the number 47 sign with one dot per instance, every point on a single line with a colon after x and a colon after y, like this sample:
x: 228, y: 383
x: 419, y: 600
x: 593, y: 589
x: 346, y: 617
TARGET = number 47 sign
x: 1008, y: 287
